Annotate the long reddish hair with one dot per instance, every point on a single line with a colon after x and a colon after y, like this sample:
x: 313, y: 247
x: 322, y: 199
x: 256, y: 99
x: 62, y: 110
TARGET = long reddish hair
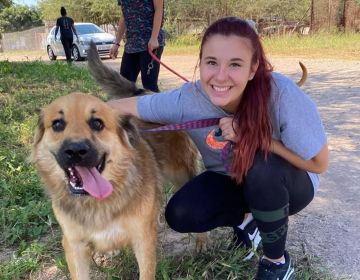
x: 252, y: 114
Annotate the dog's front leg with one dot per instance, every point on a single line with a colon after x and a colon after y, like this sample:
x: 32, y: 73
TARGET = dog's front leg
x: 144, y: 246
x: 77, y: 255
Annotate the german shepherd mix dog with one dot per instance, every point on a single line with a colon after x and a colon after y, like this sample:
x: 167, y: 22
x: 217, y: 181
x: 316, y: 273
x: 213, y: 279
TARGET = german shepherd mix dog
x: 104, y: 177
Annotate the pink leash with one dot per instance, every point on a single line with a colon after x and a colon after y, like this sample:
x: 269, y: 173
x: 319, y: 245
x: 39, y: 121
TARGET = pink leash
x: 154, y: 57
x: 193, y: 125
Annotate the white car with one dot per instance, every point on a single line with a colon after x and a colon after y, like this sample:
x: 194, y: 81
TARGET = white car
x: 87, y: 32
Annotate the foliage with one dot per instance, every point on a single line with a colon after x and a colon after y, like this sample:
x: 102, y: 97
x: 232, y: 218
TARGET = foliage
x: 96, y: 11
x: 18, y: 17
x: 183, y: 12
x: 5, y: 3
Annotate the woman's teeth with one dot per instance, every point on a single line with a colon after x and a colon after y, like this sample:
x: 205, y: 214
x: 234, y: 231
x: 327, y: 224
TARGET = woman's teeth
x: 221, y: 88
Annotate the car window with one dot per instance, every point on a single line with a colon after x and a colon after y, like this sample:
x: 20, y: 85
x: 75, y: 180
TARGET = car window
x: 88, y: 29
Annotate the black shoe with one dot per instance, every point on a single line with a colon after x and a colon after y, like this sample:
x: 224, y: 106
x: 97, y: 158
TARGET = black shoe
x: 268, y: 270
x: 248, y: 238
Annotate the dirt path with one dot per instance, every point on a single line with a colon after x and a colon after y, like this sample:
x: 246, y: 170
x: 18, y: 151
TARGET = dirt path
x: 328, y: 229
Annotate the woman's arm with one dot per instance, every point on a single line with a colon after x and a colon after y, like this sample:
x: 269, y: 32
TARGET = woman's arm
x: 125, y: 106
x: 158, y: 14
x: 317, y: 164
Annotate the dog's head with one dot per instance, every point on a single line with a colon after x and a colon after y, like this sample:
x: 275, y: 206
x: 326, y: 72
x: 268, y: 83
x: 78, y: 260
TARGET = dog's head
x: 78, y: 140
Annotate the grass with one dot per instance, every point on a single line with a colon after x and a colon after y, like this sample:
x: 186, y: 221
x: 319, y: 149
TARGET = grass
x: 28, y: 227
x: 329, y: 46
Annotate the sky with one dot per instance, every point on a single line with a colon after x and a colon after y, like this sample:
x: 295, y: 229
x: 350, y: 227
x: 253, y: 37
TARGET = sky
x: 26, y: 2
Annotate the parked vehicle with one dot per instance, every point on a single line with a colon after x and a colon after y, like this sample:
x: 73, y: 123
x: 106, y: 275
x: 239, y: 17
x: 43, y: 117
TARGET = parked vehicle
x: 87, y: 32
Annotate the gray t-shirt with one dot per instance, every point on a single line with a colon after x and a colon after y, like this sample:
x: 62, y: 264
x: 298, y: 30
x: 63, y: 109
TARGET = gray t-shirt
x: 294, y: 117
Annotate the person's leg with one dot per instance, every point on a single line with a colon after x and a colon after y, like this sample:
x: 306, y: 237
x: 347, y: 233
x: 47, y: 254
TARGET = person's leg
x: 150, y: 70
x: 130, y: 66
x: 67, y: 43
x: 274, y: 189
x: 208, y: 201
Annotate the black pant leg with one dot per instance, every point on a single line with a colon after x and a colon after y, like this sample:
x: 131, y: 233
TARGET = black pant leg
x: 130, y: 66
x: 208, y: 201
x: 275, y: 189
x: 67, y: 44
x: 149, y: 76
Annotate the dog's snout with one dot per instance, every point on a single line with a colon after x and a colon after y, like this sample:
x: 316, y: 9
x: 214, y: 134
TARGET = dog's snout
x: 81, y: 153
x: 77, y: 151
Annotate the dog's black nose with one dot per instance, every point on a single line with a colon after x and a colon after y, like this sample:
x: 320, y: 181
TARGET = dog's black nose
x: 76, y: 151
x: 80, y: 153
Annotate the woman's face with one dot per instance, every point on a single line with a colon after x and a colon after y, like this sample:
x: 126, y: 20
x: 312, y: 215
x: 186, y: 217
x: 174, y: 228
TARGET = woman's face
x: 225, y: 69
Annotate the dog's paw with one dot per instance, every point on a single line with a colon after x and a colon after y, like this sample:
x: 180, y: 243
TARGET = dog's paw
x: 202, y: 241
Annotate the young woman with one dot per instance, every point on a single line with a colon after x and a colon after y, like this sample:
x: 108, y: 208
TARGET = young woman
x: 278, y: 144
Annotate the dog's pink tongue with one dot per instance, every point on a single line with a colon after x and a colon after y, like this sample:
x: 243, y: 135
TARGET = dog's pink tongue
x: 95, y: 184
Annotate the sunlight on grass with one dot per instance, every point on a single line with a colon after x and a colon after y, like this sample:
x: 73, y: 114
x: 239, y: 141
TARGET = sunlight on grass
x: 340, y: 46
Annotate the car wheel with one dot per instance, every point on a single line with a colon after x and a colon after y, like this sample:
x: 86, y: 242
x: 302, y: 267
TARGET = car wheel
x: 51, y: 54
x: 76, y: 54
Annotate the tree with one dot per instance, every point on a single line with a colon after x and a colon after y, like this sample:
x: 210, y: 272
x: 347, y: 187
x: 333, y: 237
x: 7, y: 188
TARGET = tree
x: 5, y: 3
x: 17, y: 18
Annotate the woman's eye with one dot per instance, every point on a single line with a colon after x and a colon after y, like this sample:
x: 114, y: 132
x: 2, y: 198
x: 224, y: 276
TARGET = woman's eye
x: 211, y: 62
x: 235, y: 65
x: 58, y: 125
x: 96, y: 124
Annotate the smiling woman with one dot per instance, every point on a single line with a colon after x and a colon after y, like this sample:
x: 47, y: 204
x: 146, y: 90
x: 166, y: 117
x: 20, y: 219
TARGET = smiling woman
x: 277, y: 140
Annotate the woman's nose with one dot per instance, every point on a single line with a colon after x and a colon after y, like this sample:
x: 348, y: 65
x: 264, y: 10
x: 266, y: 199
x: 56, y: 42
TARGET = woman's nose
x: 221, y: 74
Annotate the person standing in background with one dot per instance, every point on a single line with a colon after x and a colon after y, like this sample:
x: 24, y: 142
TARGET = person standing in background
x: 66, y: 25
x: 141, y: 22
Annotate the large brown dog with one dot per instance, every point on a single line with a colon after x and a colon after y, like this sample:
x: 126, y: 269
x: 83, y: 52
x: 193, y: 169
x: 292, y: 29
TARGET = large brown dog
x: 104, y: 178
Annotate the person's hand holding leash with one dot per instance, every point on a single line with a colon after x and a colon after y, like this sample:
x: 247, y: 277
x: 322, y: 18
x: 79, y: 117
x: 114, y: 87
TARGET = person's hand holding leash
x: 228, y: 127
x: 114, y: 51
x: 153, y: 44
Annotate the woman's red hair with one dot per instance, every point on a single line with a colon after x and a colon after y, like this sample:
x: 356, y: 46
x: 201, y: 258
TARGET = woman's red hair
x: 252, y: 114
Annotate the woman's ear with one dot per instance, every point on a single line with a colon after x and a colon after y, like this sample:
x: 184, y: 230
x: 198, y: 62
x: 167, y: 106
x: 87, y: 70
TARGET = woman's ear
x: 253, y: 70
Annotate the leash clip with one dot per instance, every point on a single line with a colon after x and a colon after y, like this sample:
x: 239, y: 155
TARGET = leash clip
x: 150, y: 66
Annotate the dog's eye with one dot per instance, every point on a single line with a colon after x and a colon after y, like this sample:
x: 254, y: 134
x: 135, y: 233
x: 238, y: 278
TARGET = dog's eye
x: 58, y: 125
x: 96, y: 124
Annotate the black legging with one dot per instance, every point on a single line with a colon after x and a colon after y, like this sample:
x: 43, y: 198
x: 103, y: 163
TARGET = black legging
x: 134, y: 63
x: 67, y: 44
x: 272, y: 190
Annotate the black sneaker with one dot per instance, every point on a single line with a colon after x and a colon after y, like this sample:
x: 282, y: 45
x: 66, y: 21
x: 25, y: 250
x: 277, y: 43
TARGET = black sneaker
x: 248, y: 238
x: 268, y: 270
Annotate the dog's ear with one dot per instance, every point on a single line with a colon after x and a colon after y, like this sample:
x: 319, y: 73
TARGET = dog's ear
x: 132, y: 135
x: 40, y: 129
x: 39, y: 133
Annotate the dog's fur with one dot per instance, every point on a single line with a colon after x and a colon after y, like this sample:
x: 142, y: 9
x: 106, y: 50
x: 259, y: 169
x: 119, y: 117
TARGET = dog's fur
x: 81, y: 130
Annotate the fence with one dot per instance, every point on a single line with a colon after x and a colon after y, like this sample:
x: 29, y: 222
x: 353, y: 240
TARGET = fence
x: 32, y: 39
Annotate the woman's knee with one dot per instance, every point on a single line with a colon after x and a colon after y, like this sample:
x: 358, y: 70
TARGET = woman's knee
x: 177, y: 216
x: 265, y: 178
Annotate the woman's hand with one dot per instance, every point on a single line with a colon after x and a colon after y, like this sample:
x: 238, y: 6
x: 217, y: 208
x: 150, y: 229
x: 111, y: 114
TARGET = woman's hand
x: 228, y: 128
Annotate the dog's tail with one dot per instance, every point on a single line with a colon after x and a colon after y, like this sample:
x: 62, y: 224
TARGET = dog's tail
x: 115, y: 85
x: 304, y: 74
